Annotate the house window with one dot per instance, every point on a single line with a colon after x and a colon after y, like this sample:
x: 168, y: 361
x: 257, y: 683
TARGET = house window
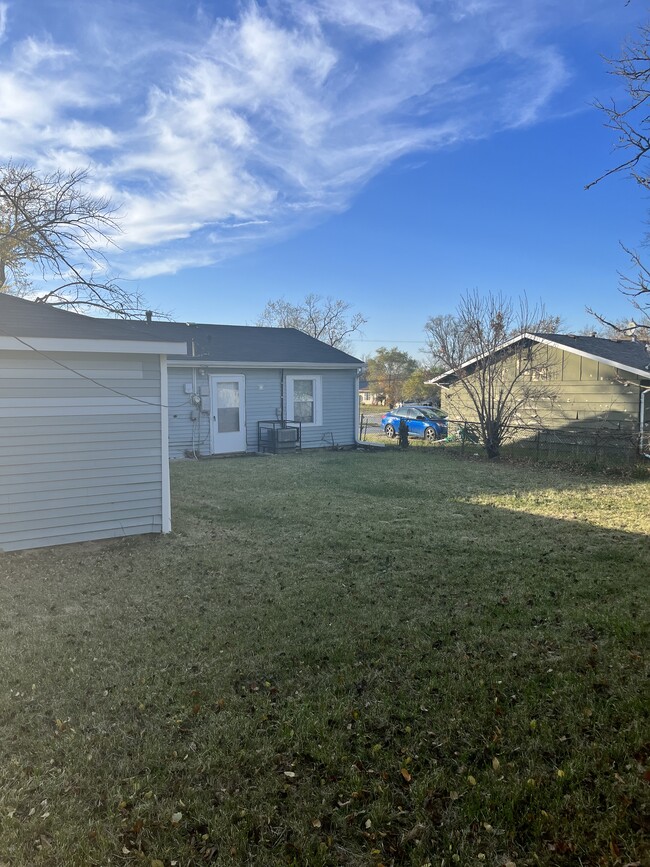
x: 304, y: 401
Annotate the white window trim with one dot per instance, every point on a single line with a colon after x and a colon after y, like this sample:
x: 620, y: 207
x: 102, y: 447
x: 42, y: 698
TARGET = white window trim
x: 318, y: 399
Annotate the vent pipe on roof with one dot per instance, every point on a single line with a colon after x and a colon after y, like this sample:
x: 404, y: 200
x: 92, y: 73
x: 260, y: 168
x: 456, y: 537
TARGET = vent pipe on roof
x: 148, y: 315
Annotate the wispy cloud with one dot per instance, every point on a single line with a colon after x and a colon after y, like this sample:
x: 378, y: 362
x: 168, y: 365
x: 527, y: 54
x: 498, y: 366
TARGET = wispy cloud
x: 218, y: 133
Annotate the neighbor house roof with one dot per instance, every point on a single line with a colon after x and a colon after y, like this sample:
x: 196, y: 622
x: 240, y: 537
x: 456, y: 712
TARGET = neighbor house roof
x: 29, y: 325
x: 628, y: 355
x: 248, y: 344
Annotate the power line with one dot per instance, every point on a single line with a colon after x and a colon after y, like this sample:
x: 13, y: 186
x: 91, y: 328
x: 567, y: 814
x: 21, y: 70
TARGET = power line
x: 392, y: 340
x: 90, y: 378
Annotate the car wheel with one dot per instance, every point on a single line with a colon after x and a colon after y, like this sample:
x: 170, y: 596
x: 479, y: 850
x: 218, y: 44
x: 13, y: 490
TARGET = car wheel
x: 389, y: 430
x: 430, y: 434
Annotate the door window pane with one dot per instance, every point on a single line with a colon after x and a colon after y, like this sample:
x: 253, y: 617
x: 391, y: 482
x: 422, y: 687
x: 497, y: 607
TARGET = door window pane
x: 303, y: 400
x: 228, y: 407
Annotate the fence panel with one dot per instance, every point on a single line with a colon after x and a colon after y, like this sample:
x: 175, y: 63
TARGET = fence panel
x: 607, y: 446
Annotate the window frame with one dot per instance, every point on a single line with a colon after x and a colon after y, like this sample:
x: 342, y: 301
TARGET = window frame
x: 318, y: 398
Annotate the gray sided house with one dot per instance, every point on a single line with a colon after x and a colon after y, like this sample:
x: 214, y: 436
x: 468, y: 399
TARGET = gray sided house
x: 83, y: 427
x: 593, y: 383
x: 232, y: 377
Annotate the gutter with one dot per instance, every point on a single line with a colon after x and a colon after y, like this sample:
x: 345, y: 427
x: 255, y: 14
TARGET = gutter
x: 201, y: 361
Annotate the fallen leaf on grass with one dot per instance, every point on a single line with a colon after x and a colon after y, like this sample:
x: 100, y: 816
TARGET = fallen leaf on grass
x: 176, y: 818
x: 289, y: 774
x: 496, y: 764
x: 406, y: 775
x: 471, y: 780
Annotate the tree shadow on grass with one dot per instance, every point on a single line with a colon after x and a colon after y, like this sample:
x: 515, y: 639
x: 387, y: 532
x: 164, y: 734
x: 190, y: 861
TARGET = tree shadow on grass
x: 382, y: 640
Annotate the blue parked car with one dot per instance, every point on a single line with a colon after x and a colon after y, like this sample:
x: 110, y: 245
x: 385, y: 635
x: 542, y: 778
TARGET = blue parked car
x: 422, y: 421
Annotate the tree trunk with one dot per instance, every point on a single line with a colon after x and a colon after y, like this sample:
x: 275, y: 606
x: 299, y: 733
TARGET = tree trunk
x: 492, y: 449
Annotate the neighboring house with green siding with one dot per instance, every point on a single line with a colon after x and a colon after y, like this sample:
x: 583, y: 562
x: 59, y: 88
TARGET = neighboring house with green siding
x: 590, y: 382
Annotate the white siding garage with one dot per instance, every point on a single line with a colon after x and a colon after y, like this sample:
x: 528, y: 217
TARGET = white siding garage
x: 83, y: 434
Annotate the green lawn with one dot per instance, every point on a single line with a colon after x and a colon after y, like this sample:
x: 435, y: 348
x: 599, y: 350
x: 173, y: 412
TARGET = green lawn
x: 337, y: 658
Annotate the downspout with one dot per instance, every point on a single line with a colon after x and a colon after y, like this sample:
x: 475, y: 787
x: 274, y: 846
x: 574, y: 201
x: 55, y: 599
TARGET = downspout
x: 282, y: 396
x: 196, y: 425
x: 357, y: 441
x: 195, y: 403
x: 644, y: 392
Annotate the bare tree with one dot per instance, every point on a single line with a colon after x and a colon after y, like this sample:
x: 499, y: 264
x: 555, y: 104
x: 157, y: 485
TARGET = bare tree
x: 630, y: 121
x: 50, y: 225
x: 620, y: 329
x: 327, y: 319
x: 498, y: 379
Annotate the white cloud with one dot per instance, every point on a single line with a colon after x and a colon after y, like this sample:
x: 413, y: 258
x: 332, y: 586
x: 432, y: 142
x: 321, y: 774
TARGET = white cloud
x: 32, y: 53
x: 214, y: 134
x: 381, y: 19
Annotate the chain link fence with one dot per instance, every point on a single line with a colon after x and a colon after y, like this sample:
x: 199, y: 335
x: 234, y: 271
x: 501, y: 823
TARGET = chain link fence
x: 606, y: 446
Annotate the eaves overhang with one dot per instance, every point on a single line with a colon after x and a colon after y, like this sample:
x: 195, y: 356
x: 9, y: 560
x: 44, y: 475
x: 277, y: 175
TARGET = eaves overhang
x: 452, y: 374
x: 298, y: 365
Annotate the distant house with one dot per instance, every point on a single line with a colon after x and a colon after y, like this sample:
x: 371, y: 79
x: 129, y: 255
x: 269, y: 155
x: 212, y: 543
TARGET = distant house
x: 593, y: 382
x: 368, y: 395
x: 83, y: 427
x: 233, y: 384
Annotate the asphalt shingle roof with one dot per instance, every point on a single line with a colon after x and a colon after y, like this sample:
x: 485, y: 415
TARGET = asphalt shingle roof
x: 22, y: 318
x: 208, y: 343
x: 620, y: 352
x: 250, y: 343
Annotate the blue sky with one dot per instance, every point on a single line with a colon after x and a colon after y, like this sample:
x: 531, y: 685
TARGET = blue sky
x: 392, y: 153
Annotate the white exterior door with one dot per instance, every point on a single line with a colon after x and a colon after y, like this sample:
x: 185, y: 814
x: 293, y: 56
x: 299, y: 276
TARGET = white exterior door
x: 228, y: 423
